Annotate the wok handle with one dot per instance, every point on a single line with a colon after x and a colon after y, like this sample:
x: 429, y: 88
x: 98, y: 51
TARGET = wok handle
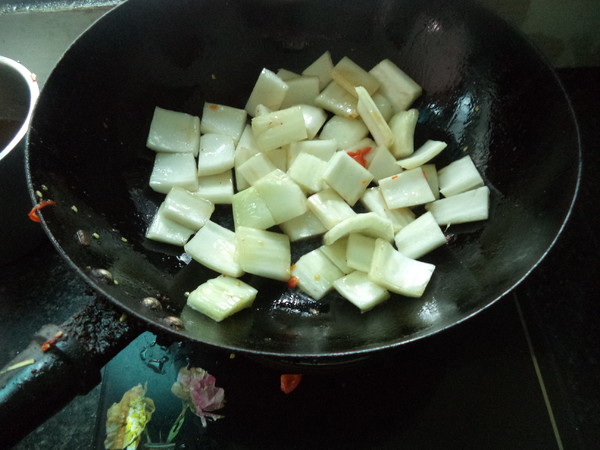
x: 75, y: 353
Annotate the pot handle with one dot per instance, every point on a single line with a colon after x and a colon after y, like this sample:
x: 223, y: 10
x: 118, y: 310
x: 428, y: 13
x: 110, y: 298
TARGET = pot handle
x: 60, y: 363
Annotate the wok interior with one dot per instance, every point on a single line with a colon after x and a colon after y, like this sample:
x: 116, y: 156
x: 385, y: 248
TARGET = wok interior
x: 486, y: 92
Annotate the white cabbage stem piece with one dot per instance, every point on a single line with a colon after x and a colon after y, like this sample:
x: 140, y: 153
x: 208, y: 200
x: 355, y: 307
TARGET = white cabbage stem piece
x: 373, y: 200
x: 187, y: 208
x: 347, y: 177
x: 349, y: 75
x: 408, y: 188
x: 459, y: 176
x: 307, y: 170
x: 269, y: 90
x: 250, y: 210
x: 469, y: 206
x: 321, y: 68
x: 369, y: 224
x: 381, y: 163
x: 337, y: 100
x: 163, y: 229
x: 304, y: 226
x: 373, y: 119
x: 359, y: 251
x: 216, y: 154
x: 174, y: 169
x: 398, y: 273
x: 279, y: 128
x: 301, y: 90
x: 361, y: 291
x: 423, y: 154
x: 396, y: 85
x: 283, y: 196
x: 263, y: 253
x: 220, y: 297
x: 217, y: 188
x: 420, y: 237
x: 403, y: 126
x: 337, y: 253
x: 329, y: 208
x: 315, y: 273
x: 214, y: 246
x: 173, y: 131
x: 321, y: 148
x: 223, y: 119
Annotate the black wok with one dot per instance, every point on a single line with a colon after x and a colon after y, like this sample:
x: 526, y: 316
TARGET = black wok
x: 487, y: 92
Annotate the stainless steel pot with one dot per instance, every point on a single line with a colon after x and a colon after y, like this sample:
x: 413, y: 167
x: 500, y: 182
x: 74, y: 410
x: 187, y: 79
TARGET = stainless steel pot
x: 18, y: 94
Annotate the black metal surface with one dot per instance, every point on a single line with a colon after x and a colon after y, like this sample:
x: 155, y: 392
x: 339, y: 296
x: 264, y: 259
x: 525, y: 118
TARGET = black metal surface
x: 472, y: 387
x: 486, y: 91
x: 559, y: 300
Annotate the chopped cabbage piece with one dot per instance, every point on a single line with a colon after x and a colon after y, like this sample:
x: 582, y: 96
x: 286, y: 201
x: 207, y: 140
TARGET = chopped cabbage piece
x: 468, y: 206
x: 359, y: 251
x: 283, y: 196
x: 345, y: 131
x: 217, y: 188
x: 338, y: 101
x: 315, y: 273
x: 347, y: 177
x: 279, y: 128
x: 459, y: 176
x: 269, y: 90
x: 403, y: 126
x: 163, y: 229
x: 214, y: 247
x: 173, y: 131
x: 408, y: 188
x: 398, y: 273
x: 349, y: 75
x: 187, y: 209
x: 216, y: 154
x: 321, y: 68
x: 361, y: 291
x: 329, y: 207
x: 222, y: 119
x: 373, y: 119
x: 250, y: 210
x: 369, y: 224
x: 423, y: 154
x: 420, y: 237
x: 396, y: 85
x: 174, y: 169
x: 220, y: 297
x: 263, y: 253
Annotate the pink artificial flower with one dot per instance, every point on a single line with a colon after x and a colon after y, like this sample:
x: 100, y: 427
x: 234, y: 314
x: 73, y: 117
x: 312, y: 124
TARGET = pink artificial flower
x: 196, y: 387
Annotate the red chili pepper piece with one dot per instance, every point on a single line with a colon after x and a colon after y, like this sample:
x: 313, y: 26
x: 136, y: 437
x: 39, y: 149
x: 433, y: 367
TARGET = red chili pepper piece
x: 289, y: 382
x: 33, y: 213
x: 293, y: 282
x: 359, y: 155
x: 50, y: 342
